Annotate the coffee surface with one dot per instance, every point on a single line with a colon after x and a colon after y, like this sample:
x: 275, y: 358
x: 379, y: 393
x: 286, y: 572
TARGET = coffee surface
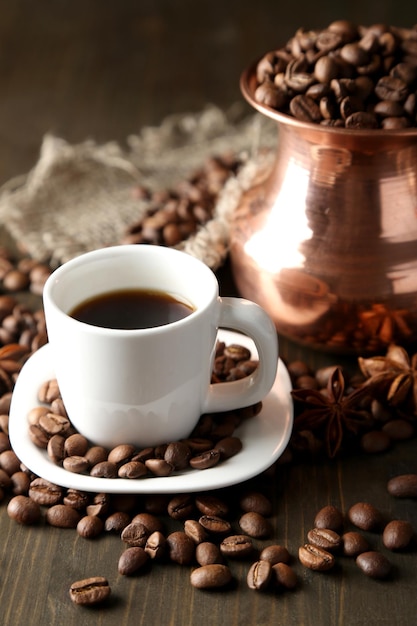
x: 129, y: 309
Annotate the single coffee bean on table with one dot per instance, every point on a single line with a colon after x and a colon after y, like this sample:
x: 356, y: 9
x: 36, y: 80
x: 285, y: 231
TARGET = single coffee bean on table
x: 90, y: 591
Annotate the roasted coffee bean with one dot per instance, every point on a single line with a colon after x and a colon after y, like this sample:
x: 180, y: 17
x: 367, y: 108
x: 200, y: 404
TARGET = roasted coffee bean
x: 76, y: 464
x: 375, y: 442
x: 104, y: 469
x: 178, y: 455
x: 275, y: 554
x: 181, y: 507
x: 397, y: 535
x: 38, y: 436
x: 361, y: 120
x: 20, y: 482
x: 403, y: 486
x: 56, y: 448
x: 121, y: 454
x: 255, y: 525
x: 215, y: 525
x: 211, y: 576
x: 257, y: 502
x: 24, y: 510
x: 76, y: 445
x: 135, y: 534
x: 209, y: 504
x: 9, y: 462
x: 329, y: 517
x: 399, y: 429
x: 132, y: 560
x: 305, y: 109
x: 90, y: 591
x: 5, y: 479
x: 259, y: 575
x: 207, y: 553
x: 151, y: 522
x: 44, y: 492
x: 116, y: 522
x: 156, y: 545
x: 62, y: 516
x: 132, y: 470
x: 373, y: 564
x: 284, y: 575
x: 205, y: 459
x: 76, y: 499
x: 324, y: 538
x: 195, y: 531
x: 237, y: 546
x: 315, y: 558
x: 181, y: 548
x: 228, y: 447
x: 354, y: 543
x: 34, y: 414
x: 365, y: 516
x: 53, y: 424
x: 90, y: 526
x: 96, y: 455
x: 159, y: 467
x: 48, y: 391
x: 391, y: 88
x: 4, y: 440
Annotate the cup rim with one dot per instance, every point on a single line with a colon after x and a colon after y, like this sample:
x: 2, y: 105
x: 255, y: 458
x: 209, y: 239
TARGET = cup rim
x: 125, y: 249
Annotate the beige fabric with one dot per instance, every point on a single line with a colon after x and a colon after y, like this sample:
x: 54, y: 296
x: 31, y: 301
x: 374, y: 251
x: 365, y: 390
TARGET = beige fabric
x: 80, y: 197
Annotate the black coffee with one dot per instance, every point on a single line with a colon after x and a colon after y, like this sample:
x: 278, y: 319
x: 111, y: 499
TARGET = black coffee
x: 130, y: 309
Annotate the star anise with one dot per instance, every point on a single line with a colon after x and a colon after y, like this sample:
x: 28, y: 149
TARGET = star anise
x: 385, y: 324
x: 333, y: 414
x: 393, y: 376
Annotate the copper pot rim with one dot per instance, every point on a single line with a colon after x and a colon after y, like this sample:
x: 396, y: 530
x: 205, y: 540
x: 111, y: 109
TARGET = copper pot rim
x: 247, y: 86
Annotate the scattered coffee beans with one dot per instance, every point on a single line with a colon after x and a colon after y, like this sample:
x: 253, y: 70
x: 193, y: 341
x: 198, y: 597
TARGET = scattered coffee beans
x: 207, y: 522
x: 173, y: 215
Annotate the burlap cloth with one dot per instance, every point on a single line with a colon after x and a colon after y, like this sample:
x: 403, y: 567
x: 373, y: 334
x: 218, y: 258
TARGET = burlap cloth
x: 79, y: 197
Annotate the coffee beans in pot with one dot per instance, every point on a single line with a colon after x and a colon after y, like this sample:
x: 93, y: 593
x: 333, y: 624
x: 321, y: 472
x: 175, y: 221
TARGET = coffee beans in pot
x: 348, y: 76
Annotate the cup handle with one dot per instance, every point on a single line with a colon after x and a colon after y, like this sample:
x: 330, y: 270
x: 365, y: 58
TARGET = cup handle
x: 249, y: 318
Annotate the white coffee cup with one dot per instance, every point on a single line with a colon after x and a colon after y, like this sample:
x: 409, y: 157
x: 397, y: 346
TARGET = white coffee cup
x: 149, y: 386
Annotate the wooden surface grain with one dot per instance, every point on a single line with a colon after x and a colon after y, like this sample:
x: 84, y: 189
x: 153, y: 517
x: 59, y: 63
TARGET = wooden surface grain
x: 104, y: 69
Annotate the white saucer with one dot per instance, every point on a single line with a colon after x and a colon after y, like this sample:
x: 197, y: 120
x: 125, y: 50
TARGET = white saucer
x: 264, y: 437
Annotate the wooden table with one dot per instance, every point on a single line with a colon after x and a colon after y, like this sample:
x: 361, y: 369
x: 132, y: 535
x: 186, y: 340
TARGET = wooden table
x: 103, y: 70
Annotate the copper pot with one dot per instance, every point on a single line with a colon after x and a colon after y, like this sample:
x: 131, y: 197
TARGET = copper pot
x: 326, y: 241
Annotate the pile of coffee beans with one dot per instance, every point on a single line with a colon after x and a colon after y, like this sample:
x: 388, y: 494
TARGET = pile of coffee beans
x: 175, y: 214
x: 211, y: 442
x: 346, y: 75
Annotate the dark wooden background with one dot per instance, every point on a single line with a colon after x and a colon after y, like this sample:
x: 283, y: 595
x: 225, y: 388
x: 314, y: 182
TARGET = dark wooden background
x: 103, y: 69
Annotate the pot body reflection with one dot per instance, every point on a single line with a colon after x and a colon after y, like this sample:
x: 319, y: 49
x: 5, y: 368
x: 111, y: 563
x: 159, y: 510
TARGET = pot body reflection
x: 326, y: 241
